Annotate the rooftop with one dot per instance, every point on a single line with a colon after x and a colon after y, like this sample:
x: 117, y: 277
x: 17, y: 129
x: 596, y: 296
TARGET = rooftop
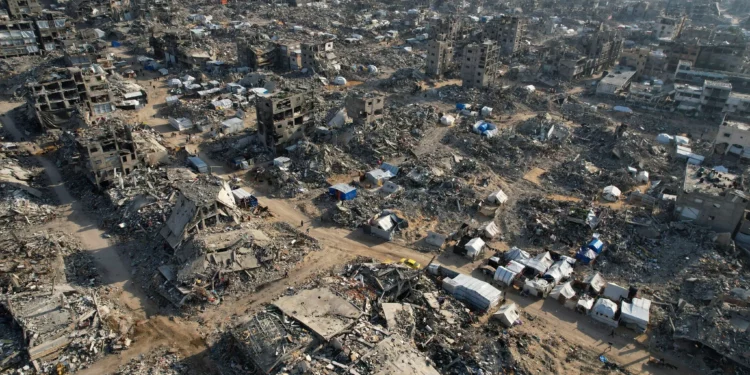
x: 737, y: 124
x: 717, y: 84
x: 707, y: 181
x: 618, y: 78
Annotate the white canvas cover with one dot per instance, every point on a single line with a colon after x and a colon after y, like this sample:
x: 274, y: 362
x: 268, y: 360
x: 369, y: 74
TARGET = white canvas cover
x: 559, y: 271
x: 636, y: 313
x: 514, y: 266
x: 611, y: 193
x: 518, y: 255
x: 474, y: 246
x: 498, y: 197
x: 596, y: 281
x: 507, y: 314
x: 565, y: 290
x: 615, y: 292
x: 504, y: 275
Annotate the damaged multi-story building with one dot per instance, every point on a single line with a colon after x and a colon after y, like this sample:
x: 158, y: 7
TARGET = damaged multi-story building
x: 319, y: 57
x: 365, y: 108
x: 179, y: 50
x: 279, y: 55
x: 22, y: 9
x: 446, y: 28
x: 100, y: 10
x: 713, y: 199
x: 63, y: 97
x: 41, y: 34
x: 507, y: 32
x: 593, y: 52
x: 284, y: 117
x: 479, y: 65
x: 439, y: 58
x: 109, y: 155
x: 84, y: 56
x: 669, y: 28
x: 199, y: 204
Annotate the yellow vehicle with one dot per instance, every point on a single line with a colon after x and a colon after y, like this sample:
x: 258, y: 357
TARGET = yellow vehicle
x: 411, y: 263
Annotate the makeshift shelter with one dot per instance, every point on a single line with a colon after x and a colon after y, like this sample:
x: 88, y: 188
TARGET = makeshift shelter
x: 232, y: 125
x: 611, y: 193
x: 615, y: 292
x: 564, y: 293
x: 474, y: 292
x: 514, y: 266
x: 390, y: 187
x: 498, y: 197
x: 343, y: 192
x: 540, y: 263
x: 507, y: 314
x: 584, y: 305
x: 474, y: 247
x: 490, y: 230
x: 636, y: 315
x: 595, y: 282
x: 560, y: 270
x: 485, y: 128
x: 537, y: 287
x: 518, y: 255
x: 604, y: 311
x: 243, y: 198
x: 596, y: 244
x: 586, y: 256
x: 504, y: 276
x: 180, y: 123
x: 435, y: 239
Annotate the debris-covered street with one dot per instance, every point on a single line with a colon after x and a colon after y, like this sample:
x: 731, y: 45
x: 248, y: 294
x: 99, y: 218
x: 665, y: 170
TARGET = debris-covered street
x: 372, y: 188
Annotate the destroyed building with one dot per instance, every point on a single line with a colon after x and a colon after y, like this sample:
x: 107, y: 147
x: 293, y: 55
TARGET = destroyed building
x: 279, y: 55
x: 507, y: 32
x: 57, y: 97
x: 445, y: 29
x: 592, y: 52
x: 110, y: 155
x: 85, y: 56
x: 712, y: 199
x: 319, y: 57
x: 179, y: 50
x: 733, y: 137
x: 669, y: 28
x: 439, y: 58
x: 43, y: 34
x: 199, y: 204
x: 284, y: 117
x: 22, y: 9
x: 365, y: 108
x: 100, y: 10
x: 479, y: 67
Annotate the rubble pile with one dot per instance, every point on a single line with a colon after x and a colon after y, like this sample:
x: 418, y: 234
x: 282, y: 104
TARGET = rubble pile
x: 405, y: 80
x: 398, y: 132
x: 162, y: 360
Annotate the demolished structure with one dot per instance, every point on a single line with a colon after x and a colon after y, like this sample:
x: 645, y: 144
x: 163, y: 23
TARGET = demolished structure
x: 284, y: 117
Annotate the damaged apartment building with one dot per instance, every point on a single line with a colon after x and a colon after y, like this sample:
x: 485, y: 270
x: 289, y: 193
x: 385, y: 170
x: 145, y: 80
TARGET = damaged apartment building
x: 109, y: 155
x: 284, y: 117
x: 179, y: 50
x: 710, y: 198
x: 25, y: 30
x: 593, y: 52
x: 507, y: 32
x: 96, y: 11
x: 65, y: 96
x: 480, y: 65
x: 279, y: 55
x: 365, y: 108
x: 319, y: 57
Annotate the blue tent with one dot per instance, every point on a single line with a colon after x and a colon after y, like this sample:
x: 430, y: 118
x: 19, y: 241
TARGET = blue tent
x: 343, y: 192
x: 596, y: 244
x: 586, y: 255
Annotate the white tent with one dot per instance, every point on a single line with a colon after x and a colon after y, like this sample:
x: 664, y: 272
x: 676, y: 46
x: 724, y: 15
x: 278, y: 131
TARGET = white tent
x: 498, y: 197
x: 537, y: 287
x: 474, y: 246
x: 541, y: 263
x: 559, y: 271
x: 604, y: 311
x: 611, y: 193
x: 615, y: 292
x: 504, y: 275
x: 518, y: 255
x: 507, y: 314
x: 563, y: 290
x: 491, y: 230
x: 514, y: 266
x: 447, y: 120
x: 636, y: 314
x: 339, y: 81
x: 595, y: 281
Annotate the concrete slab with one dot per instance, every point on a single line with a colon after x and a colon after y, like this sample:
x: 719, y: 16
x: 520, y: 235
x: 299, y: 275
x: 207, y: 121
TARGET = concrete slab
x: 320, y: 310
x: 398, y: 314
x: 396, y: 356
